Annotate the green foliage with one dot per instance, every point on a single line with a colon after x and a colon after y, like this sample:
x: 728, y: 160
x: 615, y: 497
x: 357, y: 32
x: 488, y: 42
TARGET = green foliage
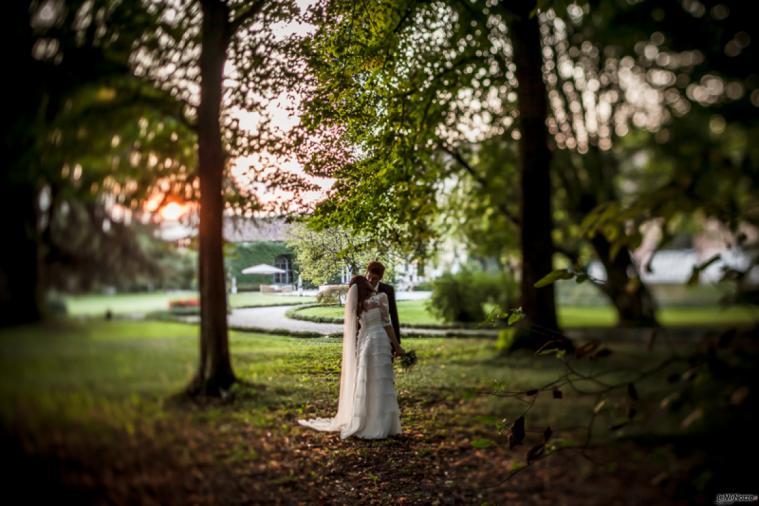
x: 332, y: 294
x: 461, y: 297
x: 454, y: 301
x: 382, y: 106
x: 324, y: 254
x: 483, y: 443
x: 505, y: 339
x: 88, y: 251
x: 238, y: 256
x: 554, y: 276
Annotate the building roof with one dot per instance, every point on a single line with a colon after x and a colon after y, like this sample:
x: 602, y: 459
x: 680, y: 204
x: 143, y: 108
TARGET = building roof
x: 238, y: 229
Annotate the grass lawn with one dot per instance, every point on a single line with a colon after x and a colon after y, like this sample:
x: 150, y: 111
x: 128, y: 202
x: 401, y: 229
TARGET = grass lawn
x: 416, y: 313
x: 97, y: 304
x: 90, y: 399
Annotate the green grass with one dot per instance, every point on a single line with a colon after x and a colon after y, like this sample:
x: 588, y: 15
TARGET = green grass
x: 118, y: 373
x: 416, y: 313
x: 412, y: 312
x: 98, y: 304
x: 668, y: 316
x: 97, y: 390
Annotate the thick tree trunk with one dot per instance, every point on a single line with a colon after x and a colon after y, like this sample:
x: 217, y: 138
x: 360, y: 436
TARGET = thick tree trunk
x: 633, y: 301
x: 215, y: 373
x: 539, y: 304
x: 21, y: 293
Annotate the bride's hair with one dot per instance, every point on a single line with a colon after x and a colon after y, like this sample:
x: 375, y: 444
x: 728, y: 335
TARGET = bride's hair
x: 364, y: 291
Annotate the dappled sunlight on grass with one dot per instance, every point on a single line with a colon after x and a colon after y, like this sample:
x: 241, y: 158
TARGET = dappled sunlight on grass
x: 97, y: 369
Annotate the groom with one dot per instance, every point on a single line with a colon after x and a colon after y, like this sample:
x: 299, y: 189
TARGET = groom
x: 374, y: 273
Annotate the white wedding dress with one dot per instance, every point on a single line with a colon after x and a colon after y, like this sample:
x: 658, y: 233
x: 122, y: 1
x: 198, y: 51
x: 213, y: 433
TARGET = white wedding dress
x: 367, y: 407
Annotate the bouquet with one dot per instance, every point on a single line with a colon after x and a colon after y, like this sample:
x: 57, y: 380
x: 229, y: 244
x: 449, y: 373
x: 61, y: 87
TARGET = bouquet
x: 408, y: 359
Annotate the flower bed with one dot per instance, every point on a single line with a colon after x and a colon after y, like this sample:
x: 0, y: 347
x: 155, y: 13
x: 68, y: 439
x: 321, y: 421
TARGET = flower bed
x: 184, y: 306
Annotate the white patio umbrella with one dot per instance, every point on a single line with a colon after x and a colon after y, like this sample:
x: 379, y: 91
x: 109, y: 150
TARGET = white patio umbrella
x: 263, y: 269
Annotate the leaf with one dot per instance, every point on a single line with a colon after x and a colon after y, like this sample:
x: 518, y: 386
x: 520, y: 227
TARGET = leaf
x: 739, y: 395
x: 548, y: 351
x: 591, y: 221
x: 547, y: 434
x: 690, y: 374
x: 535, y: 452
x: 672, y: 401
x: 632, y: 392
x: 516, y: 433
x: 482, y: 443
x: 553, y: 276
x: 517, y: 465
x: 557, y: 394
x: 515, y: 316
x: 690, y: 419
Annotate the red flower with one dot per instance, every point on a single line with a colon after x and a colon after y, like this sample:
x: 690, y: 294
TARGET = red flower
x: 184, y: 303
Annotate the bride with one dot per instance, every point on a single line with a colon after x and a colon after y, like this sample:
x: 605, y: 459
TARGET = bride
x: 367, y: 407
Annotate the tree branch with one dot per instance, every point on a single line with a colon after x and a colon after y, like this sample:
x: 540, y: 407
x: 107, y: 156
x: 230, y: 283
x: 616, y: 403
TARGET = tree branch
x: 477, y: 177
x: 245, y: 15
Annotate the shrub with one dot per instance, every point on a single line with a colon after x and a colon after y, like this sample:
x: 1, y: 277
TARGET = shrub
x: 331, y: 294
x: 424, y: 286
x: 499, y: 289
x: 55, y: 306
x: 461, y: 297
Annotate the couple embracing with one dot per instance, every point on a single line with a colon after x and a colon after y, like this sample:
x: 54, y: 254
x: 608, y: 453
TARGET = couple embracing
x: 368, y: 405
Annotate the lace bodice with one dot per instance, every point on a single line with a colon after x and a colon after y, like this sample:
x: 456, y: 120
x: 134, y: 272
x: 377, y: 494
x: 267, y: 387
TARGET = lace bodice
x: 376, y: 311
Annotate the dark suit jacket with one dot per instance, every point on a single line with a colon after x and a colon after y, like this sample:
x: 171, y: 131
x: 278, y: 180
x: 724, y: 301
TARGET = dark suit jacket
x: 387, y: 289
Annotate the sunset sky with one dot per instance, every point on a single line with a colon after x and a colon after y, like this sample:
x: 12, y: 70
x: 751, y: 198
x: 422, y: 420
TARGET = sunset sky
x: 280, y: 112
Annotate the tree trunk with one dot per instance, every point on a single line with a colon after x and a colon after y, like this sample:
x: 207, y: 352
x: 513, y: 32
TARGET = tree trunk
x: 21, y: 292
x: 539, y: 304
x: 215, y: 373
x: 633, y: 301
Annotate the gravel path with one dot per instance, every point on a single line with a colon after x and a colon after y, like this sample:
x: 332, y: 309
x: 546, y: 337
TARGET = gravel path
x: 271, y: 319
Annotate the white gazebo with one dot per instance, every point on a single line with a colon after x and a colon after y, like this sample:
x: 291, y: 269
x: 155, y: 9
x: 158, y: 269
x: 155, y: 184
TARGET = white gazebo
x: 266, y: 269
x: 263, y: 269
